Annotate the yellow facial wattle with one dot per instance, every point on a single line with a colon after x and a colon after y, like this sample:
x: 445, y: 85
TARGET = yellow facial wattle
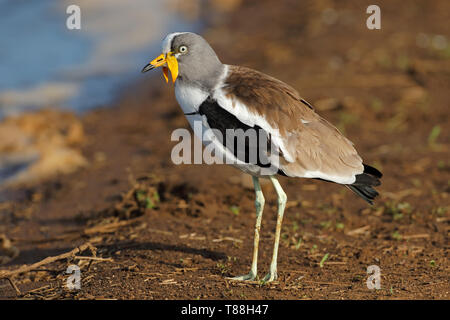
x: 161, y: 61
x: 172, y: 63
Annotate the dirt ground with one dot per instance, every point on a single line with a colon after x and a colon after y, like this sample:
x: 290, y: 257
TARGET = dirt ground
x: 162, y: 231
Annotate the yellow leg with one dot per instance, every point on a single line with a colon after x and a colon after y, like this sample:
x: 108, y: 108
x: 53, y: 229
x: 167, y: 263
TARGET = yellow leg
x: 259, y: 204
x: 282, y: 198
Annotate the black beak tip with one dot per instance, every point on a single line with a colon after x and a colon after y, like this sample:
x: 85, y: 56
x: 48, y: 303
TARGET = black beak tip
x: 148, y: 67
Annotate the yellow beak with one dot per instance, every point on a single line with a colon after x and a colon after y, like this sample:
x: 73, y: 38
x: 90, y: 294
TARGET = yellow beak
x: 167, y: 61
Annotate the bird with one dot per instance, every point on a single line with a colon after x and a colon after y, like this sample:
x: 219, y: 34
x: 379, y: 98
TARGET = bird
x: 302, y: 144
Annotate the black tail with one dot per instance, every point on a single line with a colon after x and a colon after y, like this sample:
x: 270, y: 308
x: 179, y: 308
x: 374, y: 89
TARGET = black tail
x: 363, y: 186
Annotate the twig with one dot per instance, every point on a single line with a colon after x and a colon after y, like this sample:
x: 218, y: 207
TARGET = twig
x: 159, y: 231
x: 37, y: 289
x: 358, y: 231
x: 324, y: 283
x: 27, y: 268
x: 15, y: 287
x: 417, y: 236
x: 227, y: 239
x: 106, y: 228
x: 94, y: 258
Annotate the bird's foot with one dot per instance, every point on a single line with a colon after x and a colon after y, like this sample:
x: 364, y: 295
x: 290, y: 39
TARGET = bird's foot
x: 271, y: 276
x: 247, y: 277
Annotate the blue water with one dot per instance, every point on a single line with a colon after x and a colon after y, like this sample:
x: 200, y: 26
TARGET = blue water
x: 44, y: 64
x: 34, y: 44
x: 36, y: 48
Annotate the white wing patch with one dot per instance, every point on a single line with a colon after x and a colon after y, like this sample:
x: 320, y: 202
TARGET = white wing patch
x: 321, y: 175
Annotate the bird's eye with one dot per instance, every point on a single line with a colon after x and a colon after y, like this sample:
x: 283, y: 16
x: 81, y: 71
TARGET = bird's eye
x: 182, y: 49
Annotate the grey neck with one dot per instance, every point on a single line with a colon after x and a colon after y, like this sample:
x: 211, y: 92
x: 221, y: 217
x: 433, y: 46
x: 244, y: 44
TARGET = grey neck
x: 207, y: 81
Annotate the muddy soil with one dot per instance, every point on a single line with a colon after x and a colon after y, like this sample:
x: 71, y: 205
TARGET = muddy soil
x: 162, y: 231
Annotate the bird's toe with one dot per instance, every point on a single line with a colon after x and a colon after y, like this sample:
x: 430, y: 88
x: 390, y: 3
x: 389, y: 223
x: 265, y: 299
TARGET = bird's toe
x: 271, y: 276
x: 247, y: 277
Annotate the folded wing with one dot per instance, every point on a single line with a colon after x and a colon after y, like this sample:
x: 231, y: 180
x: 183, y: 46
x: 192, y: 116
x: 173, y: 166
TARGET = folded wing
x: 310, y: 146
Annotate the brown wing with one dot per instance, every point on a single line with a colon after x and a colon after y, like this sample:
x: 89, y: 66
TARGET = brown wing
x: 316, y: 148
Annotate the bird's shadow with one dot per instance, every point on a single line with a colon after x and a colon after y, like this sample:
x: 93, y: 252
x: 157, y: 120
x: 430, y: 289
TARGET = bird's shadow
x: 34, y: 255
x: 157, y: 246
